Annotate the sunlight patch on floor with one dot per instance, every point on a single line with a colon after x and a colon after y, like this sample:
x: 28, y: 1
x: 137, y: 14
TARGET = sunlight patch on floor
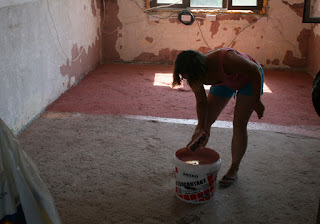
x: 162, y: 79
x: 165, y: 79
x: 266, y: 89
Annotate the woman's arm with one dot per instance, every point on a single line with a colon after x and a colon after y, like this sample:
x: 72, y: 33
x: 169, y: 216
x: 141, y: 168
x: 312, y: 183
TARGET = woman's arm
x: 201, y: 105
x: 200, y: 137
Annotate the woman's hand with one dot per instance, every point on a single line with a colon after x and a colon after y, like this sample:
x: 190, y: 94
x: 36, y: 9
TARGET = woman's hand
x: 199, y: 139
x: 259, y: 109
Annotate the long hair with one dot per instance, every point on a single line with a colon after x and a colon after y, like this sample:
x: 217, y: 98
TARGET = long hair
x: 193, y: 64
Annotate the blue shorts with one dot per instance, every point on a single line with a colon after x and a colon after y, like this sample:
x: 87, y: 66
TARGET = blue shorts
x: 224, y: 91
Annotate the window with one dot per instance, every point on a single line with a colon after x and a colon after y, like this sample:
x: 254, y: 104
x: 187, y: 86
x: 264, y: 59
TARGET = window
x: 254, y: 5
x: 311, y: 13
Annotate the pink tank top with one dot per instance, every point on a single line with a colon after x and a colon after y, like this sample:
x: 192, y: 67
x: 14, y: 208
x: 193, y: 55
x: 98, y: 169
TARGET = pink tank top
x: 234, y: 81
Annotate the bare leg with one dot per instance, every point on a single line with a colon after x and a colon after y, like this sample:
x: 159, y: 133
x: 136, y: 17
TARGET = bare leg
x: 242, y: 114
x: 215, y: 106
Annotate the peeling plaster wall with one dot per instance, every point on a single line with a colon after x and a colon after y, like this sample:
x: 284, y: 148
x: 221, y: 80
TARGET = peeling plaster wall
x: 314, y: 51
x: 278, y: 40
x: 45, y: 49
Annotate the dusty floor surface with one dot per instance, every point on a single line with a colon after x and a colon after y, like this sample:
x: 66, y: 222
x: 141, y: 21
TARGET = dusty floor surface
x: 112, y: 169
x: 103, y: 166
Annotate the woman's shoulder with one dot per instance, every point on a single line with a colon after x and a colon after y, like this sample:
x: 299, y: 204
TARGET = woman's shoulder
x: 213, y: 55
x: 221, y: 52
x: 212, y: 52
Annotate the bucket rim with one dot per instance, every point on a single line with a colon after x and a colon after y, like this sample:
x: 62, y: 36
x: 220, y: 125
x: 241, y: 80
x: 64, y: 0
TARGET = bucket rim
x: 204, y: 150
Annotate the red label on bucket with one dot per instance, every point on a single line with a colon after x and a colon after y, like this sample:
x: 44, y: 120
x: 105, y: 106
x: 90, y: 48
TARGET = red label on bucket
x: 204, y: 193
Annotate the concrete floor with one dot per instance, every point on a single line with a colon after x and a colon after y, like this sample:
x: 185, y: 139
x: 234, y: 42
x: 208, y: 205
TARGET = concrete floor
x: 109, y: 165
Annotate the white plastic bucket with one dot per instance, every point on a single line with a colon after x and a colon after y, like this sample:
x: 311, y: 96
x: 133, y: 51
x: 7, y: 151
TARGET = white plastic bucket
x: 196, y: 184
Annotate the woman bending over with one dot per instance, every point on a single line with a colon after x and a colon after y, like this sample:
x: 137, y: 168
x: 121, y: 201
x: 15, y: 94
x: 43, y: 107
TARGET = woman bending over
x: 228, y: 72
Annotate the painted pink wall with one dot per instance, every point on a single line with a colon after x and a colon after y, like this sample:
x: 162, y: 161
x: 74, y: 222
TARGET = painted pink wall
x: 279, y: 40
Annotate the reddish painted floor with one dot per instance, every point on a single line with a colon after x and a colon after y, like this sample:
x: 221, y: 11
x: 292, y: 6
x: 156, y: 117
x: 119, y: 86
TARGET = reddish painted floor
x: 130, y: 89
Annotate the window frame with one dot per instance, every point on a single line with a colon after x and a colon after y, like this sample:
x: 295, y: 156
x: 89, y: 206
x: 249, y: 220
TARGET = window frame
x: 185, y: 4
x: 307, y: 18
x: 226, y: 5
x: 252, y: 8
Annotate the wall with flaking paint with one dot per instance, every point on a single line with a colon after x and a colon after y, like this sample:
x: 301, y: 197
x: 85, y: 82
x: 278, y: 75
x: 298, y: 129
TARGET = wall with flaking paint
x: 314, y: 51
x: 278, y: 40
x: 46, y: 47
